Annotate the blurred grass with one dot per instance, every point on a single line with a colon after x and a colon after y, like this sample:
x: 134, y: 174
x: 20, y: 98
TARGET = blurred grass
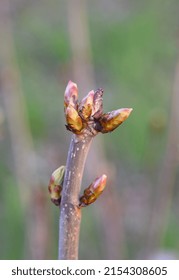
x: 135, y: 51
x: 12, y: 217
x: 134, y: 59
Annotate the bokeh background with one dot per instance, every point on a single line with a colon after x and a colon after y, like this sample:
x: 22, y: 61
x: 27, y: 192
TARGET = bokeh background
x: 130, y: 49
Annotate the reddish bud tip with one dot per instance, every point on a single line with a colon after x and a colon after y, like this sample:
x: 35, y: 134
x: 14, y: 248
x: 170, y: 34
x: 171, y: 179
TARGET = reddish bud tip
x: 99, y: 184
x: 93, y: 191
x: 86, y: 105
x: 71, y: 95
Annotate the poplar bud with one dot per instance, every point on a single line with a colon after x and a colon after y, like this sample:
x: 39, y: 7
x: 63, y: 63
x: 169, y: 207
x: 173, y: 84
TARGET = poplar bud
x: 55, y: 185
x: 86, y: 105
x: 71, y: 95
x: 93, y: 191
x: 110, y: 121
x: 74, y: 121
x: 97, y: 104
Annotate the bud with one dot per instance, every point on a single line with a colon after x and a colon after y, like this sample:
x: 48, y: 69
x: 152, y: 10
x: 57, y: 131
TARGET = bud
x: 55, y: 185
x: 74, y: 121
x: 93, y: 191
x: 97, y: 104
x: 86, y: 105
x: 71, y: 95
x: 110, y: 121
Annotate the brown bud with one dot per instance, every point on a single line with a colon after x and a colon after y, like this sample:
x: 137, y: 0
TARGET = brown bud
x: 93, y: 191
x: 86, y: 105
x: 74, y: 121
x: 71, y: 95
x: 55, y: 185
x: 97, y: 104
x: 110, y: 121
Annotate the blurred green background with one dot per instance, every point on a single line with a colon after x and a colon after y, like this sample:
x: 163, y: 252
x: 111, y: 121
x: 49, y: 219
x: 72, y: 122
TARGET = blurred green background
x: 130, y: 49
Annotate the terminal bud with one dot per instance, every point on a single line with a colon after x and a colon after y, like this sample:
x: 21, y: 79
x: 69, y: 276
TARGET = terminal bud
x: 74, y: 121
x: 71, y: 95
x: 97, y: 104
x: 86, y: 106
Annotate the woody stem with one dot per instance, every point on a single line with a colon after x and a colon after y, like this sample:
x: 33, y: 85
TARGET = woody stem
x: 70, y: 213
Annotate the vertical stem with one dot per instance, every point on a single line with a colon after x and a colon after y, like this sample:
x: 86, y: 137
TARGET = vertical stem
x: 82, y: 62
x: 70, y: 214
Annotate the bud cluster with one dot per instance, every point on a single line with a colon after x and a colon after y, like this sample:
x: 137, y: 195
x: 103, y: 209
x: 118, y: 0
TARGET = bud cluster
x: 88, y: 114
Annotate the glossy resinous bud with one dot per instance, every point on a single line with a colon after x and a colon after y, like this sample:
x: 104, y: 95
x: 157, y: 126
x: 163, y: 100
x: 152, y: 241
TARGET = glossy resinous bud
x: 74, y: 121
x: 86, y: 105
x: 110, y: 121
x: 97, y: 104
x: 93, y: 191
x: 55, y: 185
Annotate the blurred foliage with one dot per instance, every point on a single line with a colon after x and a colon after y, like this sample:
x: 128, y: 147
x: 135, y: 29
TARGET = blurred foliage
x: 13, y: 223
x: 134, y: 53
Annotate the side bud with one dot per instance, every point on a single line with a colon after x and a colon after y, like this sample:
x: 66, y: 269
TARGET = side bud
x: 74, y: 121
x: 55, y: 185
x: 93, y: 191
x: 86, y: 105
x: 97, y: 104
x: 110, y: 121
x: 71, y: 95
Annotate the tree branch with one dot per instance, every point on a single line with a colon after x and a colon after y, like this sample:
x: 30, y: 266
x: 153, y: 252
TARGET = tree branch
x: 70, y: 214
x: 85, y: 119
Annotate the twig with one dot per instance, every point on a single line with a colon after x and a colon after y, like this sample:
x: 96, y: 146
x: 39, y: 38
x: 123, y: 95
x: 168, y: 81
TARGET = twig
x: 82, y: 62
x: 70, y: 214
x: 85, y: 119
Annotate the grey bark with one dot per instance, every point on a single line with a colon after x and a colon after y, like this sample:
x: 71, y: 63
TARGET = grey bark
x: 70, y: 213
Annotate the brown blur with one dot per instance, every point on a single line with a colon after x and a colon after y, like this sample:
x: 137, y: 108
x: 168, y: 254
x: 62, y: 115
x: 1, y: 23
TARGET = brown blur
x: 128, y: 48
